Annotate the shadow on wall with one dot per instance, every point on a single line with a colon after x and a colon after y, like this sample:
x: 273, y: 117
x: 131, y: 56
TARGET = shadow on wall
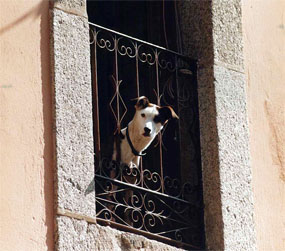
x: 41, y: 11
x: 196, y: 27
x: 45, y: 31
x: 35, y: 12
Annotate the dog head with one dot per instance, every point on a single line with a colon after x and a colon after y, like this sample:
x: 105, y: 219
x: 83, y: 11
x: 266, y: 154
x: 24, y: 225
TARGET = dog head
x: 149, y: 118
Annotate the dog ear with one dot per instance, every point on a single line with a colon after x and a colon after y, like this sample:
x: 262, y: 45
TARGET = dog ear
x: 166, y: 113
x: 141, y: 102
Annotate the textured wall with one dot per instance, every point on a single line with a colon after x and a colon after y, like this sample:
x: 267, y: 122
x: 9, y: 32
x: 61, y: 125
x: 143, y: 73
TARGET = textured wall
x: 82, y: 235
x: 73, y: 112
x: 212, y: 33
x: 26, y: 165
x: 264, y: 36
x: 73, y: 119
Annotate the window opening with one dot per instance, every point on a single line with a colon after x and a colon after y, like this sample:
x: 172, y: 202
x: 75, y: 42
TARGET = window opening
x: 162, y: 197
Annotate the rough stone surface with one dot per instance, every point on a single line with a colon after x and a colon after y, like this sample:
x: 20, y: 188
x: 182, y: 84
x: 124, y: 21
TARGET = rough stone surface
x: 234, y: 163
x: 79, y: 235
x: 227, y: 33
x: 75, y: 234
x: 211, y: 32
x: 213, y: 217
x: 112, y: 239
x: 196, y: 30
x: 73, y: 112
x: 77, y: 7
x: 225, y: 160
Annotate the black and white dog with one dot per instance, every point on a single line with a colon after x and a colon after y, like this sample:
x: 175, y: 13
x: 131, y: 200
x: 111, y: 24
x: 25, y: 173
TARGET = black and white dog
x: 129, y: 144
x: 147, y: 122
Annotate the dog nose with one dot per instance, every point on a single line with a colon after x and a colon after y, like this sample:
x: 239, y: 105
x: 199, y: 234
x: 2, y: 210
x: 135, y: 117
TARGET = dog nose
x: 147, y: 130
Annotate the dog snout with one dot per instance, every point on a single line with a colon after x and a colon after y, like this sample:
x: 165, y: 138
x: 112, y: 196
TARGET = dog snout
x: 147, y: 130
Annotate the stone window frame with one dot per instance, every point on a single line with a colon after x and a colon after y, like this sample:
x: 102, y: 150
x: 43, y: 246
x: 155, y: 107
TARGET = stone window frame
x: 217, y: 42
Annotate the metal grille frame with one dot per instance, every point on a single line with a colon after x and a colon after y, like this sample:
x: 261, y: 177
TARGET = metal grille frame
x: 137, y: 199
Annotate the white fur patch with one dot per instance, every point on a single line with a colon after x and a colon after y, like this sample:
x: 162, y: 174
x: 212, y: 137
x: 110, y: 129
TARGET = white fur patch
x: 144, y: 119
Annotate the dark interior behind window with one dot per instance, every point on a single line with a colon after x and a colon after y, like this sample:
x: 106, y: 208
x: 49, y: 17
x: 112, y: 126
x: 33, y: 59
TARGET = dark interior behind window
x: 152, y: 21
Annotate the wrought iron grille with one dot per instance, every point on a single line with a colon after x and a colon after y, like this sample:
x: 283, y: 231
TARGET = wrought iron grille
x: 161, y: 198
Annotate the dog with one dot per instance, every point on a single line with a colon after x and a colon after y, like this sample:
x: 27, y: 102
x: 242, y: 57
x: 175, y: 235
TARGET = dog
x: 148, y: 121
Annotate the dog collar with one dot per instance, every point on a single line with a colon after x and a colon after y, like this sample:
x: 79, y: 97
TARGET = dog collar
x: 134, y: 151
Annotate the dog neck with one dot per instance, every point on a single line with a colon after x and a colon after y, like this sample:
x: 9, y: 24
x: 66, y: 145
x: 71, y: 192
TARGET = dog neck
x: 139, y: 142
x: 134, y: 151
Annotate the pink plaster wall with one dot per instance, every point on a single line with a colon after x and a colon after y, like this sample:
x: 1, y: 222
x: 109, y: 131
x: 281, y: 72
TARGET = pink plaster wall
x: 264, y: 37
x: 26, y: 178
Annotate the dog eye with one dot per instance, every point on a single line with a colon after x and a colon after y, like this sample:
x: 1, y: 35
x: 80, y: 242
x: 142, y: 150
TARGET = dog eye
x: 143, y: 115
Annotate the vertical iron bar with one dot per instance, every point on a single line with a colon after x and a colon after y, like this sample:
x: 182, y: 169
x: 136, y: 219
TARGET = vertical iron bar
x: 157, y: 77
x: 96, y: 129
x: 118, y: 148
x: 117, y: 85
x: 137, y: 70
x: 178, y: 110
x: 138, y: 94
x: 159, y: 135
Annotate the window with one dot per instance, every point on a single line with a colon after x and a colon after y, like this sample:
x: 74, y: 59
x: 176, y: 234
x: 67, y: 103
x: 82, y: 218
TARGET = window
x: 162, y: 198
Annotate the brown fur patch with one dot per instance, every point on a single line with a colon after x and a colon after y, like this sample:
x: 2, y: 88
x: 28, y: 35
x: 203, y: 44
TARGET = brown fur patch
x: 142, y: 102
